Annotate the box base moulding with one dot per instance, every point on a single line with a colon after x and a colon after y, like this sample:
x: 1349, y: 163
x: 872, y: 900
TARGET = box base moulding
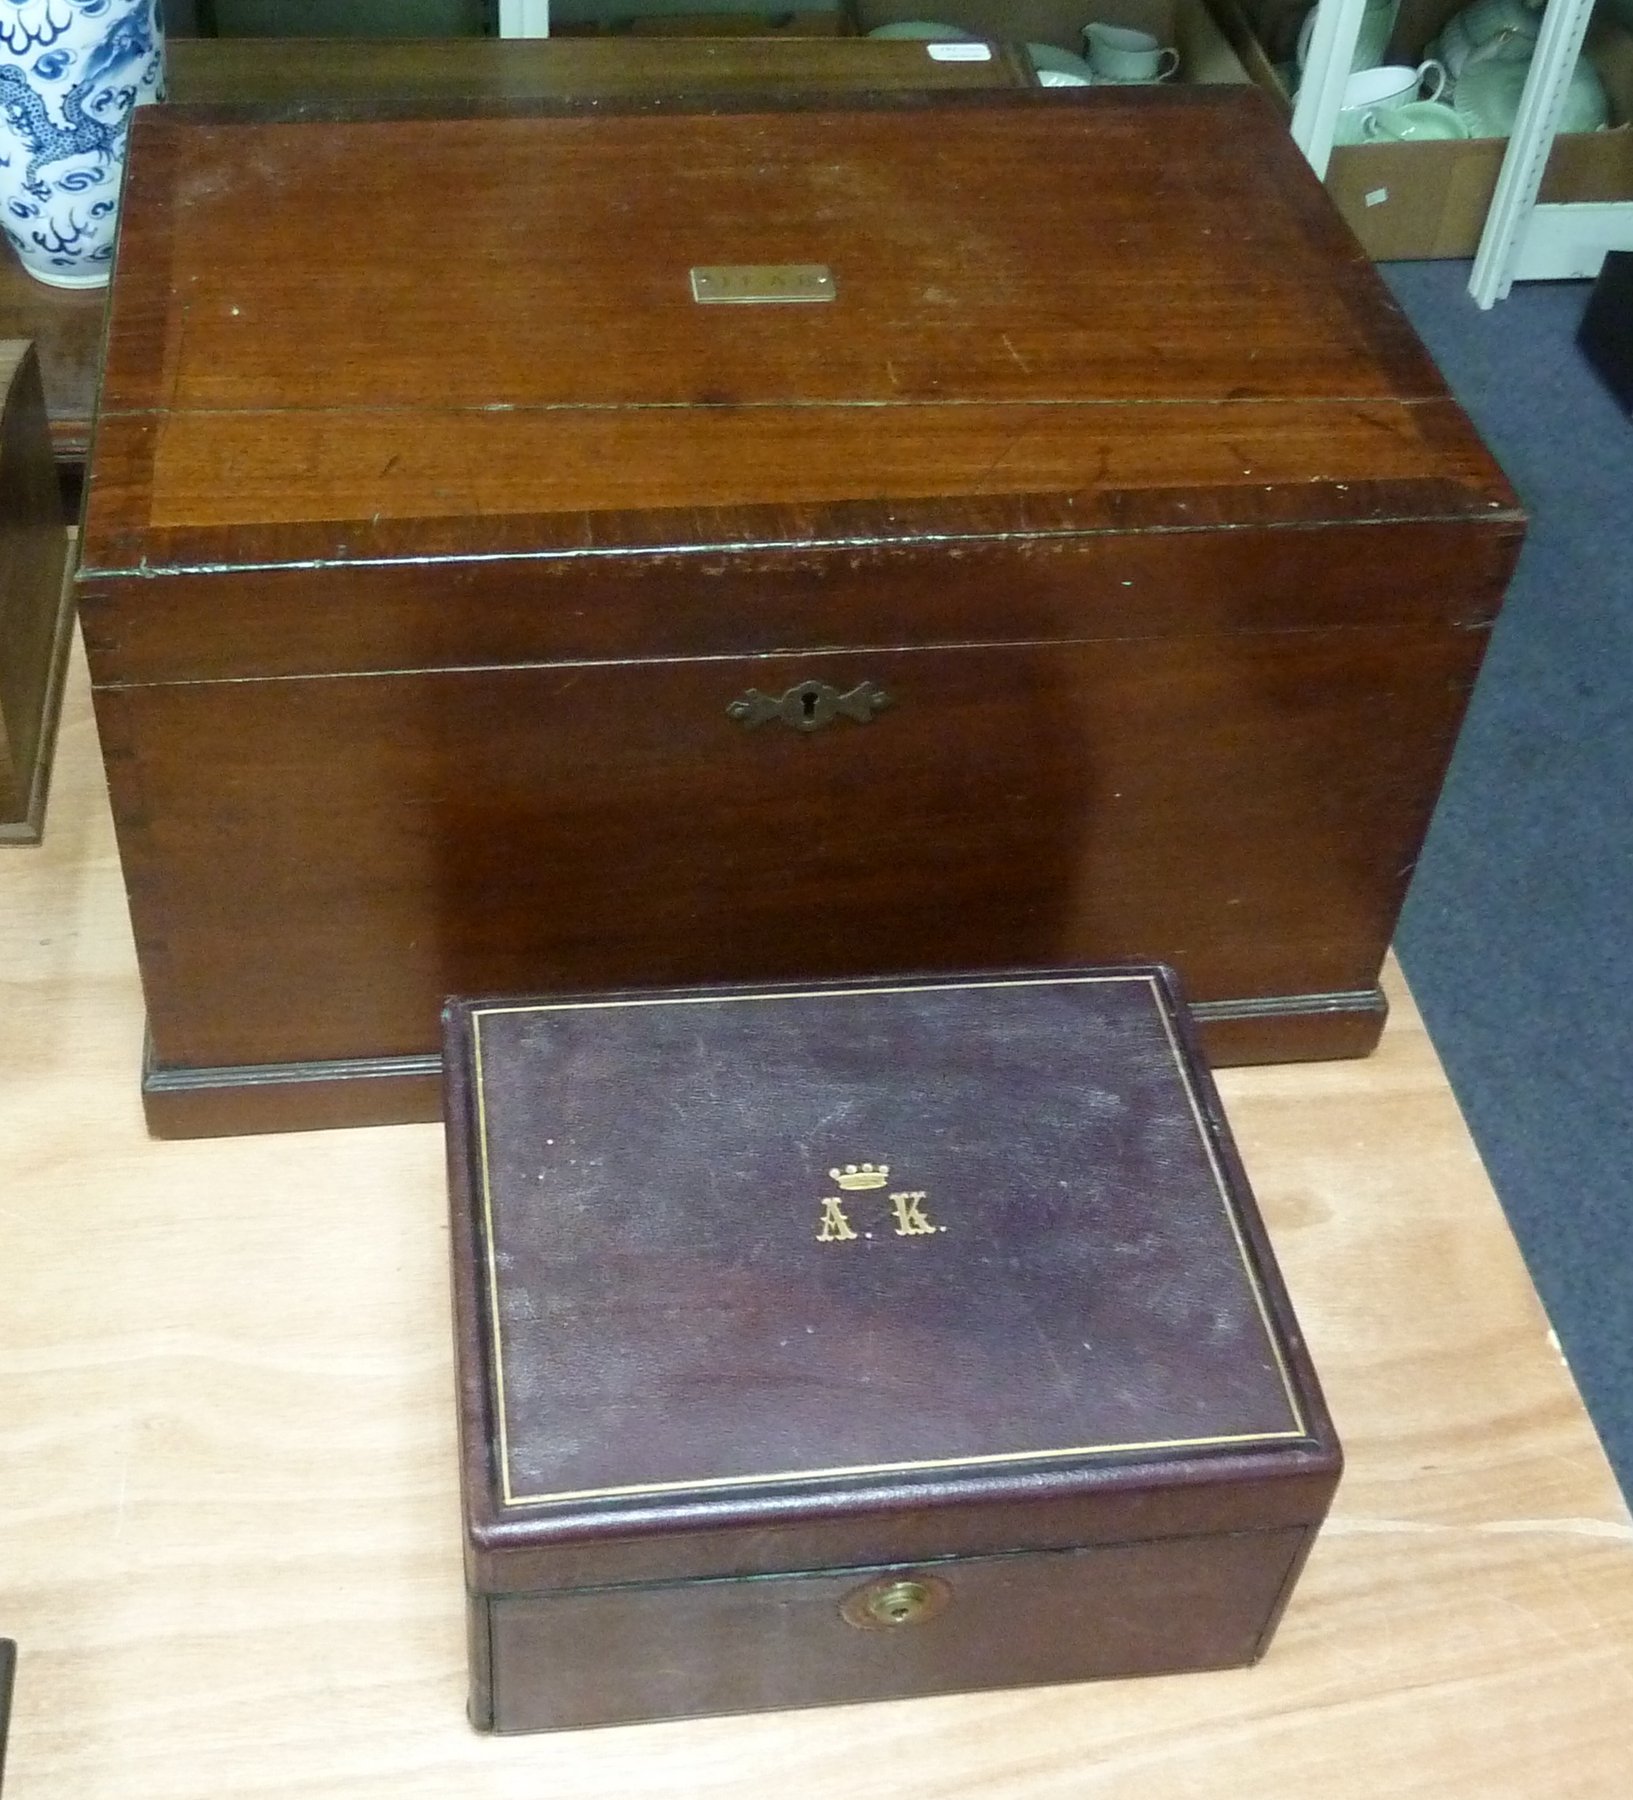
x: 406, y: 1090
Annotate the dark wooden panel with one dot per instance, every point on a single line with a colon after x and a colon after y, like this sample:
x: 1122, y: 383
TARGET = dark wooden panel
x: 36, y: 611
x: 311, y: 78
x: 125, y: 544
x: 695, y: 1648
x: 314, y: 865
x: 1292, y: 1028
x: 8, y: 1668
x: 259, y: 1097
x: 479, y: 613
x: 66, y: 325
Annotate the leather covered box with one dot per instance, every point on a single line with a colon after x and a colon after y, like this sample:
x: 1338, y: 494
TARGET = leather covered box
x: 623, y: 544
x: 860, y: 1342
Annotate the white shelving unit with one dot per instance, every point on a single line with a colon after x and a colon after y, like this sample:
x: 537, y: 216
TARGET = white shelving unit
x: 524, y: 18
x: 1332, y: 49
x: 1522, y: 241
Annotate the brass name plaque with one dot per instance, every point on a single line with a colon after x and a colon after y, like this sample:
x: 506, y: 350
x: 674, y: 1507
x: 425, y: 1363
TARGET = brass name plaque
x: 762, y: 284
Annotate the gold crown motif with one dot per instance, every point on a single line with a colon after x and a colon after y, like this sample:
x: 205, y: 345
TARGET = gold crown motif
x: 856, y: 1178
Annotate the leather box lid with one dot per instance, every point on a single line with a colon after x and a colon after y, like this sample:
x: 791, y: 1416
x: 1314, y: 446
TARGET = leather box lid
x: 964, y: 1263
x: 396, y: 338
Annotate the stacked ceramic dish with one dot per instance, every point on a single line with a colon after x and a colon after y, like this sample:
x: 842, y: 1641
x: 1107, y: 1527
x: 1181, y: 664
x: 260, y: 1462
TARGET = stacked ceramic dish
x: 1487, y: 50
x: 1114, y: 55
x: 1468, y: 85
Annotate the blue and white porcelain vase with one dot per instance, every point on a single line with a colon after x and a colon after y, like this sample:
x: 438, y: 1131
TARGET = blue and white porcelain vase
x: 70, y: 72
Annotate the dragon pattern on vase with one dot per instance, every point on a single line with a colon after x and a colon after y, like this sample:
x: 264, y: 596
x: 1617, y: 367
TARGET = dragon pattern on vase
x: 70, y: 73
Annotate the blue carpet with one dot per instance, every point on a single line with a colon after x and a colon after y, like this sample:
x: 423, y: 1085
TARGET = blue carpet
x: 1518, y: 928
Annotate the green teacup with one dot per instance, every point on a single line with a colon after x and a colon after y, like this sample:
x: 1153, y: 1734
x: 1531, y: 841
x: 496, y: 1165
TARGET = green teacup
x: 1372, y: 91
x: 1418, y: 122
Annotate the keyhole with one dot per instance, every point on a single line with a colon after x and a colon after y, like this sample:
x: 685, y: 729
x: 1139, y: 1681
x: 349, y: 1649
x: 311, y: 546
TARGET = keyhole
x: 808, y: 705
x: 888, y: 1605
x: 900, y: 1603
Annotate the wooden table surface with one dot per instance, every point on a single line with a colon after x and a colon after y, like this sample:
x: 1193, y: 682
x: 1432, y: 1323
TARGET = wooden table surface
x: 229, y: 1539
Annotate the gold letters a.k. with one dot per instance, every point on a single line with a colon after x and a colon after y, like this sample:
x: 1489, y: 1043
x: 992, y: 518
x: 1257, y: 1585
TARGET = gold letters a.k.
x: 908, y: 1217
x: 835, y: 1226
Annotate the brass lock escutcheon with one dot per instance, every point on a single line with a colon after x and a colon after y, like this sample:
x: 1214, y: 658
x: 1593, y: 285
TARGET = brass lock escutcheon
x: 810, y: 705
x: 895, y: 1600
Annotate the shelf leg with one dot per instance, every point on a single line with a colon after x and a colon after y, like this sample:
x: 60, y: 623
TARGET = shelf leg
x: 1564, y: 25
x: 524, y: 18
x: 1332, y: 50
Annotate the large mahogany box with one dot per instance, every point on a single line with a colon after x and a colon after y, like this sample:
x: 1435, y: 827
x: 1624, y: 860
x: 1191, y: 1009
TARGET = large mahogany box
x: 616, y: 544
x: 859, y: 1342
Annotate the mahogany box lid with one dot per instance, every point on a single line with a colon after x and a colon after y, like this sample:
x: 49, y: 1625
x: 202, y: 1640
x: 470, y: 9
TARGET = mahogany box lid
x: 354, y: 341
x: 767, y: 1279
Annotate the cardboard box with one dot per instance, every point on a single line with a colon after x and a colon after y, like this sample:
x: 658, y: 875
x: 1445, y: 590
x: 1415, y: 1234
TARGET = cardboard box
x: 1205, y: 54
x: 1407, y: 201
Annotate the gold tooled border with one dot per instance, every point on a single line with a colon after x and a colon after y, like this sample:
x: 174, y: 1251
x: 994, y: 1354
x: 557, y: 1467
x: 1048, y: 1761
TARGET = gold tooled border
x: 703, y: 1484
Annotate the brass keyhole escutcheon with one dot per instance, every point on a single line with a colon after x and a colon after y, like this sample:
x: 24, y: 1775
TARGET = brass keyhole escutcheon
x: 895, y: 1600
x: 809, y: 705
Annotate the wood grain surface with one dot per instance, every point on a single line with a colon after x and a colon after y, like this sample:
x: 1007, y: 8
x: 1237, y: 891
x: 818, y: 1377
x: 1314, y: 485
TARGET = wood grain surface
x: 1205, y: 325
x: 305, y: 78
x: 228, y: 1502
x: 313, y: 865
